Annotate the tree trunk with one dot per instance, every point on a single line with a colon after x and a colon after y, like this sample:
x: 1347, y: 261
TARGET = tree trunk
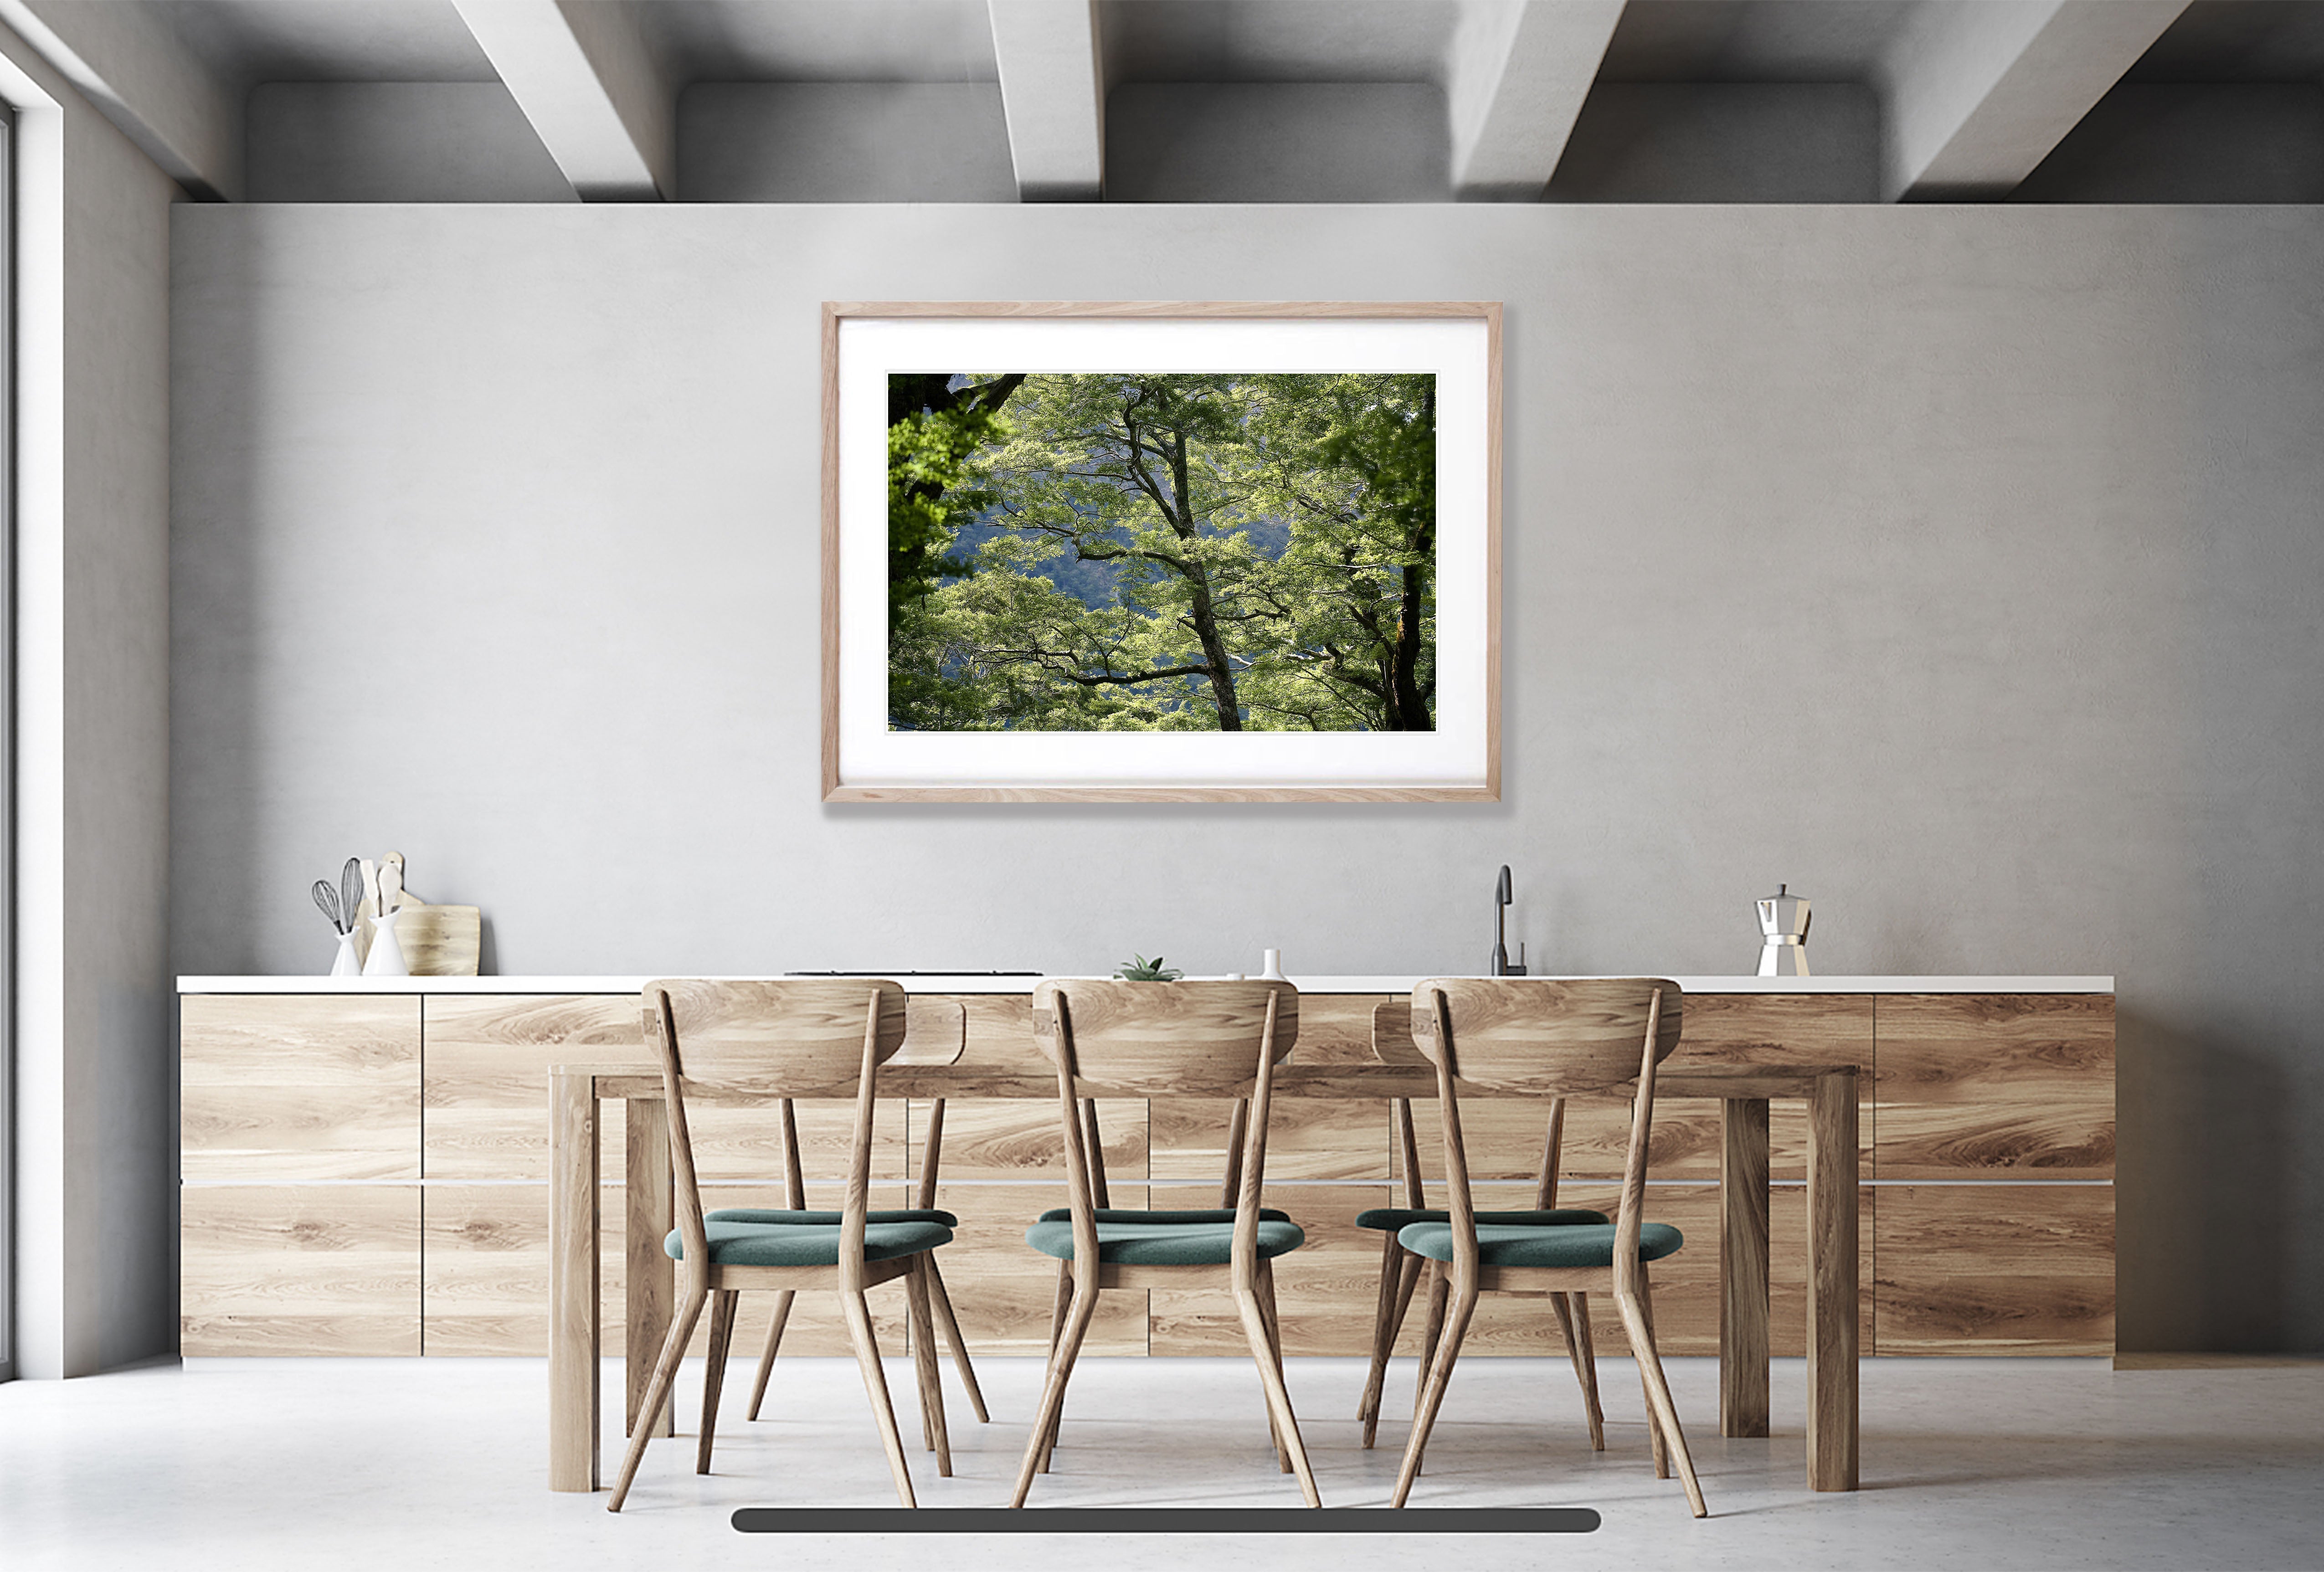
x: 1408, y: 711
x: 1215, y: 652
x: 1202, y: 612
x: 1407, y: 705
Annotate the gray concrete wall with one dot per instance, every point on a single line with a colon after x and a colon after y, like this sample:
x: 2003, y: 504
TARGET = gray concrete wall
x: 395, y: 141
x: 2193, y: 141
x: 1276, y: 142
x: 844, y: 141
x: 1957, y: 565
x: 94, y: 1176
x: 1723, y: 141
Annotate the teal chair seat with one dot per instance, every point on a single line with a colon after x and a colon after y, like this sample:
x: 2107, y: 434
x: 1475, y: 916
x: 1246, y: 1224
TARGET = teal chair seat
x: 1501, y: 1244
x: 734, y: 1244
x: 828, y: 1219
x: 1395, y: 1220
x: 1127, y: 1238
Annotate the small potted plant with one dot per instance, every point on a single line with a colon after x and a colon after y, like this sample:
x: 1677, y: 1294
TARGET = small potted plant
x: 1138, y: 968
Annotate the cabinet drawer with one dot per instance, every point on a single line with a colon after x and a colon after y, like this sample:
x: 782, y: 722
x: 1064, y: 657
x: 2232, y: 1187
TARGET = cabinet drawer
x: 1994, y: 1269
x: 1998, y: 1085
x: 299, y: 1269
x: 282, y: 1087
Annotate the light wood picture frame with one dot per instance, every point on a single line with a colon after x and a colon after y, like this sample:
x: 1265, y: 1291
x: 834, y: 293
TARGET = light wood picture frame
x: 1108, y: 718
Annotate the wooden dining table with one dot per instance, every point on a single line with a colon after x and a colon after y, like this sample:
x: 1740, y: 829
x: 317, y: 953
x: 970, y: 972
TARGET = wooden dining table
x: 577, y: 1094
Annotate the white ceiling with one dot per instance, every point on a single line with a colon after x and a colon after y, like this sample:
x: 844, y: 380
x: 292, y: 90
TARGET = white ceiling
x: 1753, y: 41
x: 816, y: 40
x: 1180, y: 41
x: 1278, y: 41
x: 1961, y: 99
x: 330, y: 41
x: 2239, y: 41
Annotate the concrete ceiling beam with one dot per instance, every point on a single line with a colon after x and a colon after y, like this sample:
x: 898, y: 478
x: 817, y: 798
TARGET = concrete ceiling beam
x: 1515, y: 83
x: 1979, y: 91
x: 128, y: 61
x: 1053, y: 82
x: 597, y: 98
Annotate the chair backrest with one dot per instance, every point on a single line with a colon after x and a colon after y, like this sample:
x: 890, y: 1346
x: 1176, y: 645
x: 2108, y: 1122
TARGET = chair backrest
x: 1160, y: 1039
x: 1546, y: 1036
x: 787, y: 1034
x: 1393, y: 1043
x: 807, y: 1036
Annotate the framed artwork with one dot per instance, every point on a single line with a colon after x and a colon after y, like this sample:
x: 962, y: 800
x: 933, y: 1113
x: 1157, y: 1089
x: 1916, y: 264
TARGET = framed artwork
x: 1161, y: 551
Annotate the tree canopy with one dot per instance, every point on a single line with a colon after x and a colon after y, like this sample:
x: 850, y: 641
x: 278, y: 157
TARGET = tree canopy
x: 1100, y: 552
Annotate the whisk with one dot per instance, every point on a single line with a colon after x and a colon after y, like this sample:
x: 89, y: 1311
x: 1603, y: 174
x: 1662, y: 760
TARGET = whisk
x: 339, y: 905
x: 326, y: 901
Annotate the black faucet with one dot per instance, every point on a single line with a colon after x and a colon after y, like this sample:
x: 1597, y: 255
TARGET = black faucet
x: 1501, y: 966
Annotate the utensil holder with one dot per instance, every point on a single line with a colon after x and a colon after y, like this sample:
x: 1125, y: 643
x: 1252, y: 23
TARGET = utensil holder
x: 386, y: 957
x: 345, y: 964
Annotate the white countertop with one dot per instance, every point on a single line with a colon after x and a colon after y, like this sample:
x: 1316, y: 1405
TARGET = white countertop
x: 988, y: 984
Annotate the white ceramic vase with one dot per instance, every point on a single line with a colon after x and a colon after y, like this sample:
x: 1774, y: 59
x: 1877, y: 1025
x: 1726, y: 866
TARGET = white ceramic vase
x: 386, y: 957
x: 344, y: 964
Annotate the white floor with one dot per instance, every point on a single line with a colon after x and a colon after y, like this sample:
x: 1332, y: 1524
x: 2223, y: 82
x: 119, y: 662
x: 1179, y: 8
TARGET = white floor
x: 255, y: 1465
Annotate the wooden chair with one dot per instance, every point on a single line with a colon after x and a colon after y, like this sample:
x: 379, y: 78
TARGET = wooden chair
x: 1401, y: 1271
x: 793, y: 1038
x: 1166, y: 1039
x: 1548, y: 1039
x: 794, y: 1211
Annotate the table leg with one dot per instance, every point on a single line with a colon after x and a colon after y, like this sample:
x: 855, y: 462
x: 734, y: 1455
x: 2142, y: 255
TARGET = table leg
x: 1743, y: 1267
x: 652, y: 1276
x: 1832, y: 1268
x: 573, y: 1283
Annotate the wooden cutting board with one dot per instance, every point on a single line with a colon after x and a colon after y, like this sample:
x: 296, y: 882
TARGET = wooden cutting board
x: 437, y: 941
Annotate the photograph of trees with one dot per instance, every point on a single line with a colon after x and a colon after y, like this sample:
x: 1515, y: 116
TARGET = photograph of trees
x: 1102, y: 552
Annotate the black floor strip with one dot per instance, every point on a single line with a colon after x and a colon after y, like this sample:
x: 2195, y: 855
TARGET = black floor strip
x: 1186, y: 1520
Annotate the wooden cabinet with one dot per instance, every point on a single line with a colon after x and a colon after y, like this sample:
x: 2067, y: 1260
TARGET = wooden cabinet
x: 366, y: 1173
x: 1994, y: 1269
x: 2005, y: 1102
x: 281, y: 1088
x: 299, y: 1161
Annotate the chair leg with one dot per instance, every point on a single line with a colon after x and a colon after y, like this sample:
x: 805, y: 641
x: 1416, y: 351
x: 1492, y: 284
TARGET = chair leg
x: 1440, y: 1283
x: 1064, y: 1299
x: 1439, y: 1377
x: 1653, y: 1423
x: 924, y: 1366
x: 1079, y: 1313
x: 767, y: 1358
x: 1373, y: 1378
x: 714, y: 1372
x: 1255, y: 1303
x: 1641, y: 1330
x: 664, y: 1371
x: 1265, y: 1278
x: 950, y: 1323
x: 875, y: 1385
x: 1573, y: 1315
x: 1409, y: 1275
x: 1383, y: 1338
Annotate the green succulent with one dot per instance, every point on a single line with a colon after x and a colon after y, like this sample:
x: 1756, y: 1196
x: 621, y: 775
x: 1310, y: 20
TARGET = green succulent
x: 1138, y: 968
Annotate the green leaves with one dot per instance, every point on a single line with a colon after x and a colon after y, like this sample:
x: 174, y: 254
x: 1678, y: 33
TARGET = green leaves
x: 926, y: 455
x: 1138, y: 968
x: 1168, y: 553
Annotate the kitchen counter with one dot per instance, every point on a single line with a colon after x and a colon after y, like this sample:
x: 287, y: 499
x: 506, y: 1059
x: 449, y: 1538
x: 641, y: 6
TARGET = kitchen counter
x: 986, y: 983
x: 365, y: 1163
